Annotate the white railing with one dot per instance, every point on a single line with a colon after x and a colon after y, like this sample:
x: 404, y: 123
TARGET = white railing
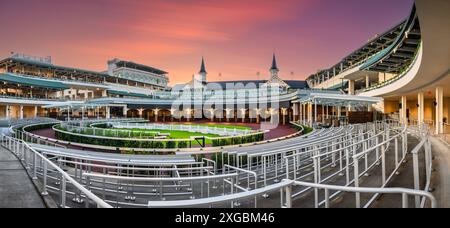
x: 223, y: 200
x: 198, y: 187
x: 358, y: 190
x: 153, y: 136
x: 353, y: 159
x: 35, y: 162
x: 327, y: 152
x: 223, y: 131
x: 92, y: 122
x: 286, y: 199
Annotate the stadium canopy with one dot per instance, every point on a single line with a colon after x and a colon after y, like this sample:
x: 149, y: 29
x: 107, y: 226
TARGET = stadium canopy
x: 73, y: 106
x: 336, y: 100
x: 39, y: 83
x: 129, y: 94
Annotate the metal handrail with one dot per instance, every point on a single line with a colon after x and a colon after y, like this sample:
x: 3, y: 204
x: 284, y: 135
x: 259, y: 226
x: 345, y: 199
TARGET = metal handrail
x: 150, y: 179
x: 403, y: 191
x: 65, y: 176
x: 220, y: 199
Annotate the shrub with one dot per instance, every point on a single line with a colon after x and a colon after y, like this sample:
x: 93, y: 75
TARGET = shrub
x: 182, y: 144
x: 171, y: 144
x: 158, y: 145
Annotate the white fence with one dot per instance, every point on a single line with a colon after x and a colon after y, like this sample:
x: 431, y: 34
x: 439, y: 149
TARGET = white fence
x: 222, y: 131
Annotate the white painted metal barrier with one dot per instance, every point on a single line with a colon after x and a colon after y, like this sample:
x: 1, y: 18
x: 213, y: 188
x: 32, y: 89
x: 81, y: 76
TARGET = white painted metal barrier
x: 35, y: 162
x: 358, y: 190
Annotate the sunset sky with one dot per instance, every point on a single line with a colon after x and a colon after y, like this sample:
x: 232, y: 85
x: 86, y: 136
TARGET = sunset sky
x: 237, y: 37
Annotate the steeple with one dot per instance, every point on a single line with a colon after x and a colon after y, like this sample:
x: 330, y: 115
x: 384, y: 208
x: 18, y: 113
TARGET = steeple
x: 203, y: 68
x: 274, y: 63
x: 274, y: 79
x: 203, y: 72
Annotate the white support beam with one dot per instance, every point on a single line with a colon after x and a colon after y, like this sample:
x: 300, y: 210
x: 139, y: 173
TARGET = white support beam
x: 439, y: 110
x: 21, y: 112
x: 315, y: 111
x: 8, y: 111
x: 403, y: 116
x: 351, y: 87
x: 35, y: 111
x: 421, y: 108
x: 108, y: 112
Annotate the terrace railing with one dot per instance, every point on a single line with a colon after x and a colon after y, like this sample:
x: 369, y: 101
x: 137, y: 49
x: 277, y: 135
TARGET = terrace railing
x: 224, y: 131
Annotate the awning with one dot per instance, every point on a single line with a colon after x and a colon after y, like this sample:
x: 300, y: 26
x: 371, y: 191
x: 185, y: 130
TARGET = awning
x: 128, y: 94
x: 28, y: 81
x: 73, y: 105
x: 339, y: 86
x: 339, y: 99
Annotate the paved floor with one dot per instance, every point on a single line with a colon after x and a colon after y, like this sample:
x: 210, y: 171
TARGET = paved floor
x: 16, y: 188
x: 441, y: 180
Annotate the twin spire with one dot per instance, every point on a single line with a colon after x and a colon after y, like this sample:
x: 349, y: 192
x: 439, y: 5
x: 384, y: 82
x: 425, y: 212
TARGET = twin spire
x: 274, y: 63
x: 203, y: 68
x: 273, y: 68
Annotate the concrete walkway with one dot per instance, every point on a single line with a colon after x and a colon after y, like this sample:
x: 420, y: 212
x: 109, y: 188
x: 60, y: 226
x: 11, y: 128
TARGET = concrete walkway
x: 16, y: 188
x: 441, y: 180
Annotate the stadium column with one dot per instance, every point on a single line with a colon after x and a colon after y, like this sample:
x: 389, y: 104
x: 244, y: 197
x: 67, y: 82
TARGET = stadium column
x: 35, y: 111
x: 351, y: 87
x: 108, y: 112
x: 188, y: 115
x: 306, y: 112
x: 8, y: 111
x: 323, y: 114
x: 439, y: 110
x: 156, y: 112
x: 21, y: 112
x: 172, y: 114
x: 367, y: 81
x: 82, y: 113
x: 310, y: 114
x: 284, y: 112
x: 125, y: 111
x: 403, y: 117
x: 68, y: 113
x: 315, y: 111
x: 300, y: 113
x: 227, y: 115
x: 243, y: 114
x: 294, y: 109
x: 258, y: 115
x: 421, y: 108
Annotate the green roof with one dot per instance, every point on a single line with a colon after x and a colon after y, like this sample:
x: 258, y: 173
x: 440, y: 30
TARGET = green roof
x: 11, y: 78
x: 339, y: 86
x: 55, y: 67
x: 123, y: 93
